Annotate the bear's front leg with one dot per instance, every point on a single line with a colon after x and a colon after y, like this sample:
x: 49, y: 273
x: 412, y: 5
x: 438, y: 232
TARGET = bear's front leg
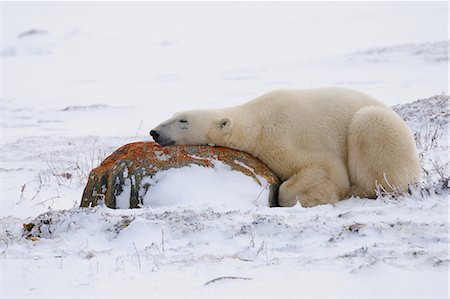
x: 313, y: 186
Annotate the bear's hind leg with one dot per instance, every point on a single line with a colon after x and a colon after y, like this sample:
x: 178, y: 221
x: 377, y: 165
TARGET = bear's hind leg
x: 313, y: 186
x: 381, y: 151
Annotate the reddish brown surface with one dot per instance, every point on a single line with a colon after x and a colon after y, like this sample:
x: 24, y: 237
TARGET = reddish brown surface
x: 146, y: 158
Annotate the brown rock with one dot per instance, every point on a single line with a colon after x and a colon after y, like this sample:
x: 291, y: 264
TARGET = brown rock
x: 138, y: 160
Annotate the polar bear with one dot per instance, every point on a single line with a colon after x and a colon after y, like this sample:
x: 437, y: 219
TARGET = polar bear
x: 325, y: 144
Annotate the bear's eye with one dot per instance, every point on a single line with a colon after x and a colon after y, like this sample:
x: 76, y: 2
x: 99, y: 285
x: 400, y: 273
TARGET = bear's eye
x: 184, y: 124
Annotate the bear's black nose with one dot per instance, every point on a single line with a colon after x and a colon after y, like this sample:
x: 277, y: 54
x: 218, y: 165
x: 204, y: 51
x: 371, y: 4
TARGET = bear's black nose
x: 155, y: 135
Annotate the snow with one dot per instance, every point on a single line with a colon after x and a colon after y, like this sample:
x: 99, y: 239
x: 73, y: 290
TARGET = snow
x: 398, y: 242
x: 195, y: 185
x: 123, y: 198
x: 84, y: 83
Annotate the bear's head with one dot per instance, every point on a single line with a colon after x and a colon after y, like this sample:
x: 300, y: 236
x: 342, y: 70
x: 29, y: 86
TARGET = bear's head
x: 199, y: 127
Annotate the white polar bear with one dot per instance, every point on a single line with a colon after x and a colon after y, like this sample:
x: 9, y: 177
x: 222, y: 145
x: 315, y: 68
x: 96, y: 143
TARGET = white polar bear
x: 325, y: 144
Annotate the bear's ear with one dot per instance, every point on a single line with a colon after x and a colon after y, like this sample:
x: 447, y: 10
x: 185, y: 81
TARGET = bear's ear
x: 225, y: 125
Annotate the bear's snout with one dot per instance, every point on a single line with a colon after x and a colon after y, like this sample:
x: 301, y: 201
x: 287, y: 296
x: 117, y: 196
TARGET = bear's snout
x: 155, y: 135
x: 161, y: 139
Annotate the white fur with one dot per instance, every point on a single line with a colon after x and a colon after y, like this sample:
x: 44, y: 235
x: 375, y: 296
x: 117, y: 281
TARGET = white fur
x: 325, y: 144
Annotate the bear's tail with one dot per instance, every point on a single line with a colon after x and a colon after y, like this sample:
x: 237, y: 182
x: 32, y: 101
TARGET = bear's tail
x: 381, y: 152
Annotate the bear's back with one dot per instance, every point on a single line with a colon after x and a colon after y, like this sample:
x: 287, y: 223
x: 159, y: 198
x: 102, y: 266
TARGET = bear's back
x: 312, y: 106
x: 319, y: 97
x: 315, y: 120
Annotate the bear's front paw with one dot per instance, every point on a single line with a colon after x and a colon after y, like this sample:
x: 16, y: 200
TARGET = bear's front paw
x: 287, y: 195
x: 310, y: 189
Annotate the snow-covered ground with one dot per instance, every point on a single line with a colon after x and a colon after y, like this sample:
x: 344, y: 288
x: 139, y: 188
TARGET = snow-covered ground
x: 94, y: 76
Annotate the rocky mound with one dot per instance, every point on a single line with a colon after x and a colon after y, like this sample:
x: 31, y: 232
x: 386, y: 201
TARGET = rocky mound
x: 123, y: 179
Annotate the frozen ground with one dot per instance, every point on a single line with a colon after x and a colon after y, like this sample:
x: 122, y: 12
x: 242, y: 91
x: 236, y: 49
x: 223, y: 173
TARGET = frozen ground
x: 84, y: 84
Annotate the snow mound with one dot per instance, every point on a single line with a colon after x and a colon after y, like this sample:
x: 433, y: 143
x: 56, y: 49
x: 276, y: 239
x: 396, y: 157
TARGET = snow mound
x: 436, y: 52
x: 425, y: 112
x: 85, y: 107
x: 34, y: 43
x: 194, y: 185
x: 429, y: 121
